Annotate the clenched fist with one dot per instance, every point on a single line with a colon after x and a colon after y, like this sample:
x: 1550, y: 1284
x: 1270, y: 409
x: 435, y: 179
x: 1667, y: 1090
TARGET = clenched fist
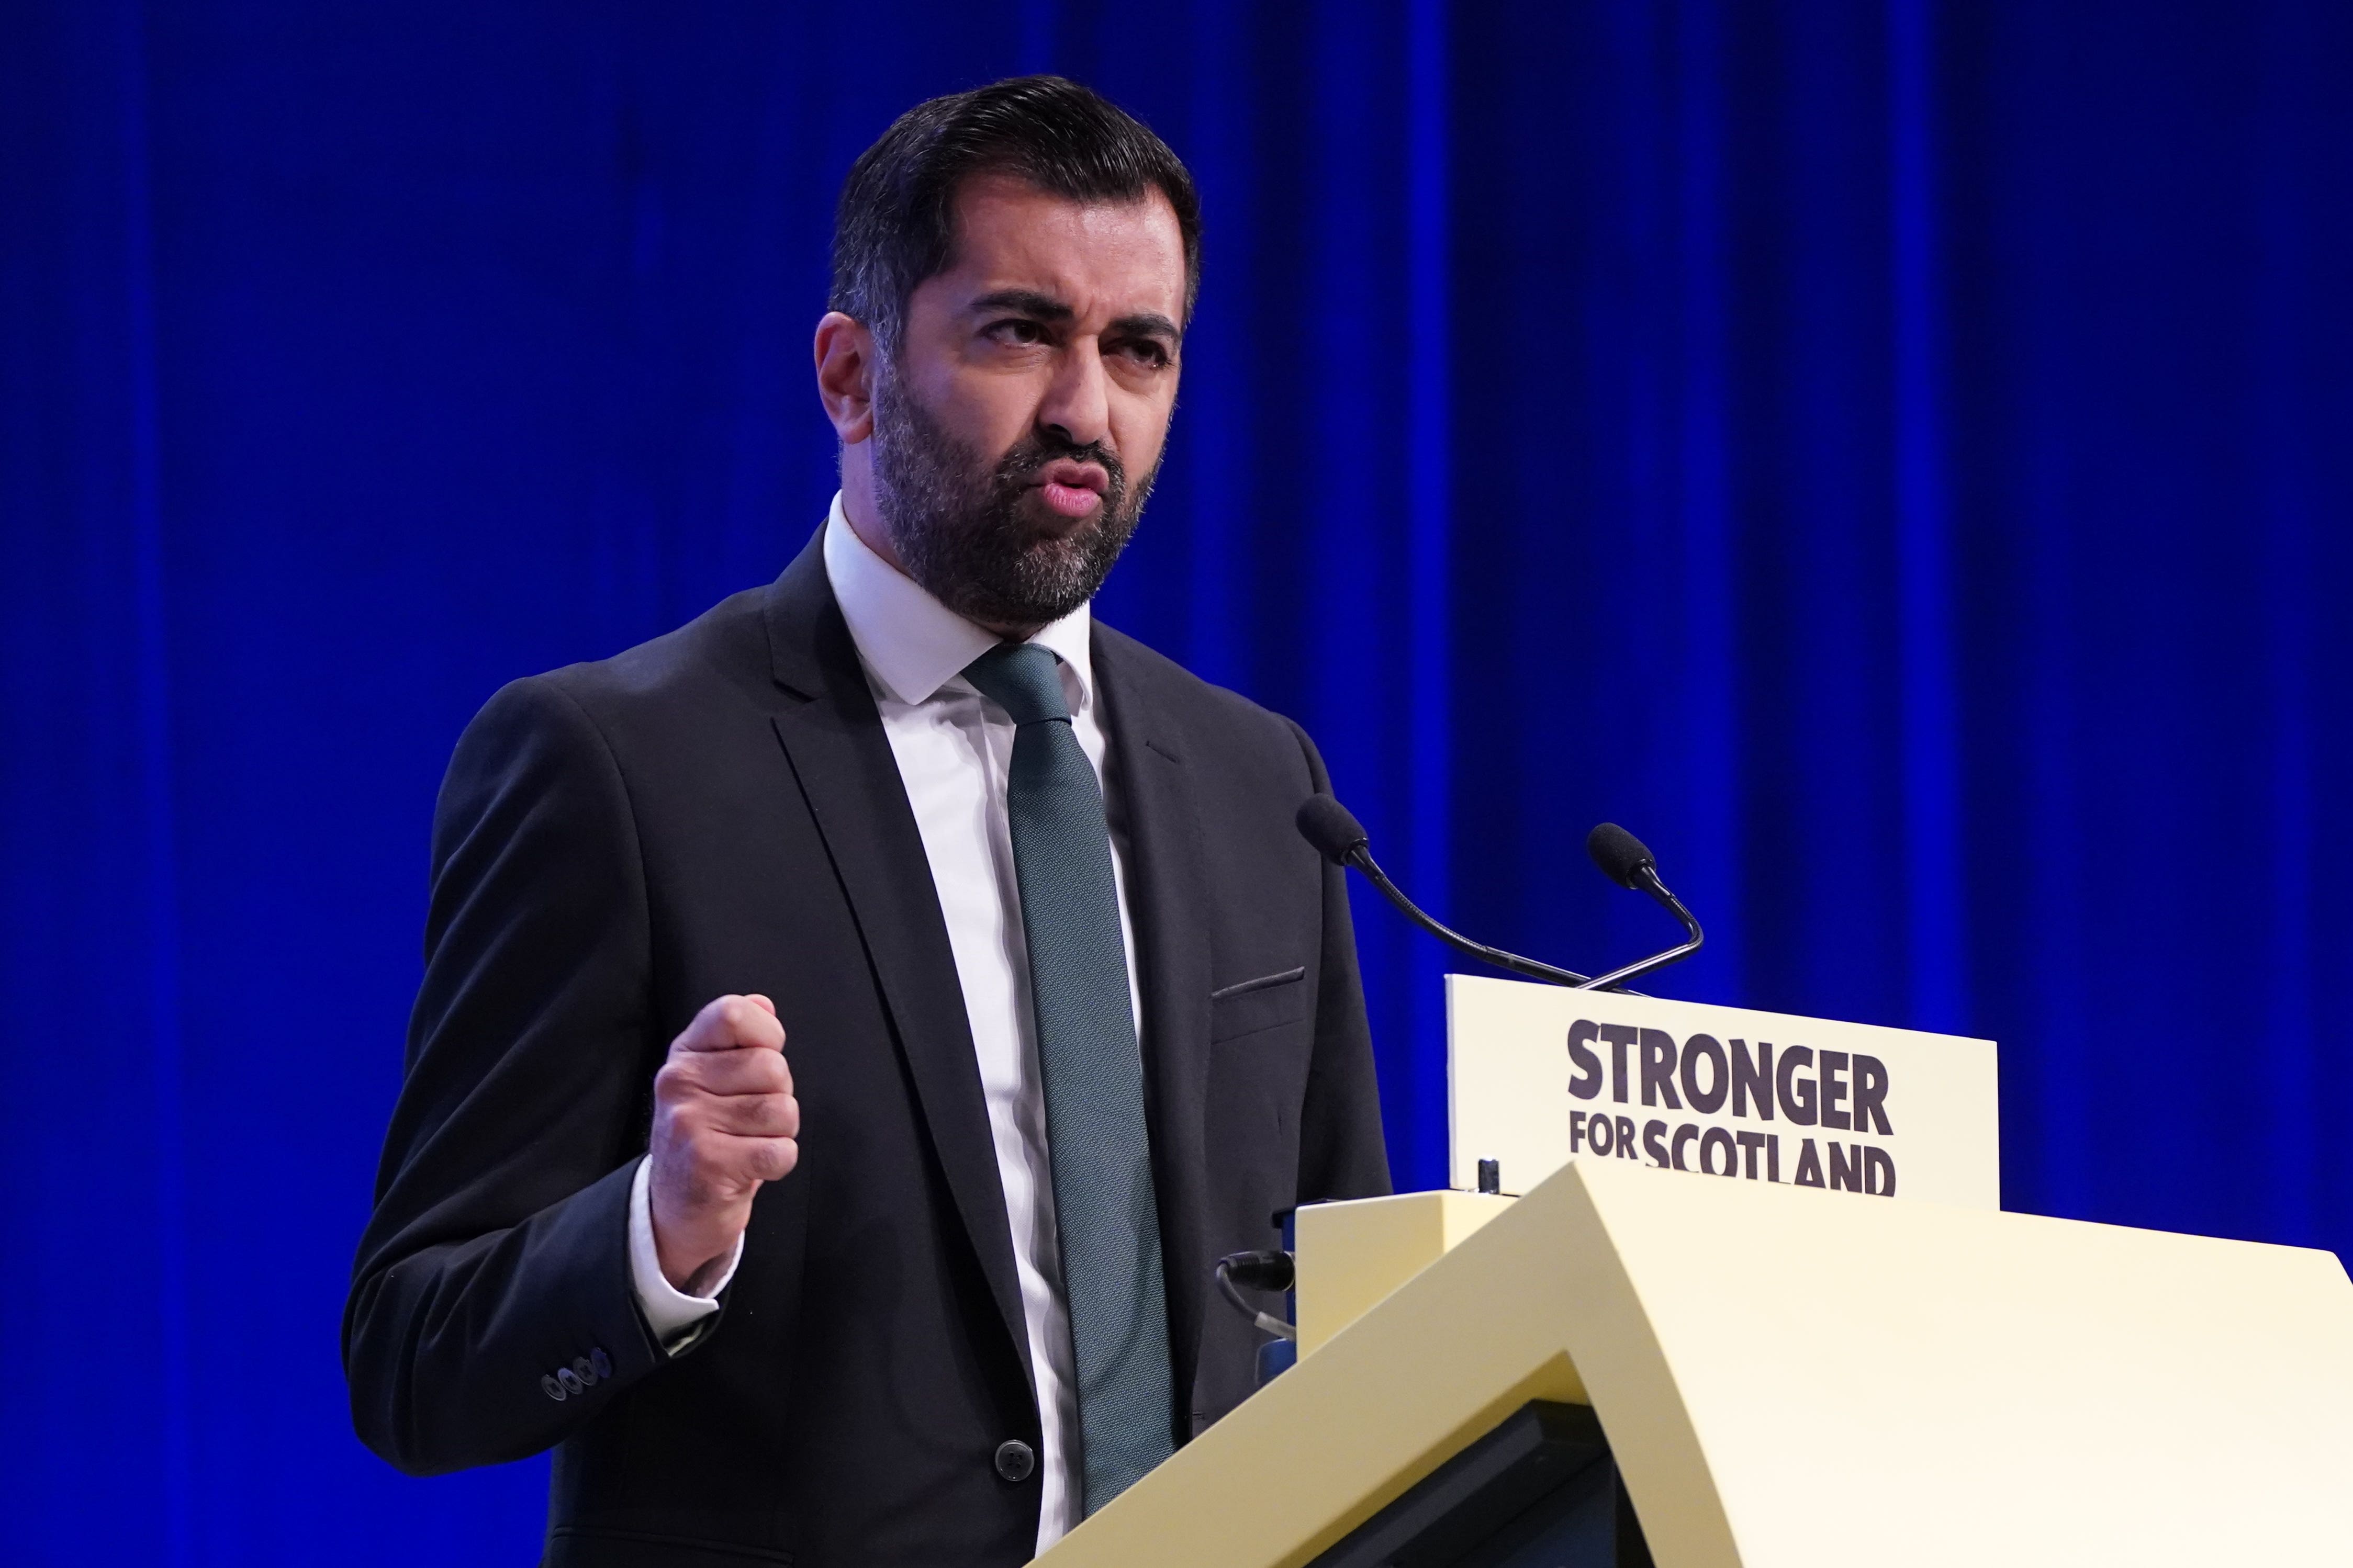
x: 724, y: 1121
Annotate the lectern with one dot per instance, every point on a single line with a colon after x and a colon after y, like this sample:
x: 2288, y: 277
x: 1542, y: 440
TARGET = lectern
x: 1631, y: 1363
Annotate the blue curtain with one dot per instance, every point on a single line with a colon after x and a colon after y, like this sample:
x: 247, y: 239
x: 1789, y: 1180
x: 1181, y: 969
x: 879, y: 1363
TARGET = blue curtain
x: 1892, y: 455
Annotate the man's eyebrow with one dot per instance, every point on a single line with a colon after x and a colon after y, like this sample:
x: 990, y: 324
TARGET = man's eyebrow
x: 1147, y: 324
x: 1027, y: 301
x: 1046, y: 308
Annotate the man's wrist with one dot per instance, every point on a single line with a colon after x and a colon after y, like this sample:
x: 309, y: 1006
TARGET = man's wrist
x: 671, y: 1314
x: 706, y: 1282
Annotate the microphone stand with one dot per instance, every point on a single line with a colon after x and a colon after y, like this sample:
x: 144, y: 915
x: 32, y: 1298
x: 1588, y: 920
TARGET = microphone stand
x: 1646, y: 877
x: 1361, y: 857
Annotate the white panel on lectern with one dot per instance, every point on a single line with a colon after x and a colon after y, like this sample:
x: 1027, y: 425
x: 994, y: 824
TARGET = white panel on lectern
x: 1537, y: 1074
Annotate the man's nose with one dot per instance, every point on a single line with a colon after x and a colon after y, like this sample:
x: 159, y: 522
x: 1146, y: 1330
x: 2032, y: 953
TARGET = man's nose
x: 1077, y: 407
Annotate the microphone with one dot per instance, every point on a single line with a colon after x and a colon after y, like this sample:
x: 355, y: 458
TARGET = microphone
x: 1627, y: 861
x: 1340, y: 838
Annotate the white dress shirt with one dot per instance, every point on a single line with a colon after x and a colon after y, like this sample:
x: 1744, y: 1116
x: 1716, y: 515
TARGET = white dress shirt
x: 955, y: 749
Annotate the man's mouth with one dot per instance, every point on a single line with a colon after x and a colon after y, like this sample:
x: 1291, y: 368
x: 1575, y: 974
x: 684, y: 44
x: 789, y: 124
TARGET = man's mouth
x: 1073, y: 490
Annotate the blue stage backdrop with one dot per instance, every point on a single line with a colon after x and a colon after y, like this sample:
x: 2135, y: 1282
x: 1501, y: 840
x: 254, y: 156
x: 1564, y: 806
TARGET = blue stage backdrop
x: 1894, y: 456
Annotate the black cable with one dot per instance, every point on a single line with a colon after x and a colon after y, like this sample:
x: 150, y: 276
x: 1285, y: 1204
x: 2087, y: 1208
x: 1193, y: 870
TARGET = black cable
x: 1260, y: 1271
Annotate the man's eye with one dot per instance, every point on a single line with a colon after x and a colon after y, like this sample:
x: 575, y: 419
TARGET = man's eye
x: 1146, y: 351
x: 1018, y: 332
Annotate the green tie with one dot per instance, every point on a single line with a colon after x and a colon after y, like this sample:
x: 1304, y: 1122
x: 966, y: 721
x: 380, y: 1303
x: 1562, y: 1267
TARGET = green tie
x: 1104, y: 1203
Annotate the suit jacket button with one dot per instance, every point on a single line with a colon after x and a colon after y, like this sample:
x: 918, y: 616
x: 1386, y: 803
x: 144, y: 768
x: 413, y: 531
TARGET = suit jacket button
x: 1016, y: 1459
x: 552, y: 1389
x: 586, y: 1370
x: 570, y: 1380
x: 601, y: 1362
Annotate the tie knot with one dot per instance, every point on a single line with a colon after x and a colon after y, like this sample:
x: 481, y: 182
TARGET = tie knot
x: 1023, y: 678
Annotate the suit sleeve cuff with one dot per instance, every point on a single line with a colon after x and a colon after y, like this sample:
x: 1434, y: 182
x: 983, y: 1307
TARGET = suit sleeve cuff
x: 670, y: 1312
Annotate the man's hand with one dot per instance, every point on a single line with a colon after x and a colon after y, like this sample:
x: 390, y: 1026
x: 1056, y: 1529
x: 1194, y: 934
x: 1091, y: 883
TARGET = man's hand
x: 724, y: 1121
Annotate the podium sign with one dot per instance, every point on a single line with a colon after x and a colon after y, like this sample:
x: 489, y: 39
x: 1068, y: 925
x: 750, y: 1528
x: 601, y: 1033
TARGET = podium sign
x: 1539, y: 1074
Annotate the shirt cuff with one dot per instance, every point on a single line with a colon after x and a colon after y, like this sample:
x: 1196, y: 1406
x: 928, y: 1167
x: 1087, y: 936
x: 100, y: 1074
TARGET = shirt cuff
x: 670, y: 1312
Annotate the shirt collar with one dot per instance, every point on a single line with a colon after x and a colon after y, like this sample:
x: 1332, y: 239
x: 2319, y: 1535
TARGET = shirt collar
x: 913, y: 645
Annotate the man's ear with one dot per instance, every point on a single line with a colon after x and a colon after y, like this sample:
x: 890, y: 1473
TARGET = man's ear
x: 845, y: 376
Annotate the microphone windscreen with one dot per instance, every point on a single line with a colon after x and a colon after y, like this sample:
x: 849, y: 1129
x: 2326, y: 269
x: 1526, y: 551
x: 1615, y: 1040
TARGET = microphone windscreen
x: 1618, y: 853
x: 1331, y: 828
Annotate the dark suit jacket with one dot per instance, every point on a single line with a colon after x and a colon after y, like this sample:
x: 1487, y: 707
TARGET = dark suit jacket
x: 719, y: 811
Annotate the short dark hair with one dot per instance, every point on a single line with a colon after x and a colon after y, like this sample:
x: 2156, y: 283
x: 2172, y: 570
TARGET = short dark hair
x: 896, y: 224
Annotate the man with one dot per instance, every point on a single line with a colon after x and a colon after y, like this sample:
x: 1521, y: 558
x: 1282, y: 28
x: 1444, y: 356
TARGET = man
x: 854, y: 1024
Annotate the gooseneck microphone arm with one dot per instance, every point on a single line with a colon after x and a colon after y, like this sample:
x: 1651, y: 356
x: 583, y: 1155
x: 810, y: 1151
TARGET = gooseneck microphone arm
x: 1327, y: 825
x: 1617, y: 978
x: 1362, y: 859
x: 1625, y: 860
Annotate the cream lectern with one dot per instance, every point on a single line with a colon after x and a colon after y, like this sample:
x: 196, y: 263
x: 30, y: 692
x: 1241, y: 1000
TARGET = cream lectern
x: 1632, y: 1365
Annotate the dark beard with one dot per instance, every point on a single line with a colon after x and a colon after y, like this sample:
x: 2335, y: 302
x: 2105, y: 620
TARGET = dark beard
x: 956, y: 522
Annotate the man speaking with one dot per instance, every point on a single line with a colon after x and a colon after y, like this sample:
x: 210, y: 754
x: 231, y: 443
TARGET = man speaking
x: 854, y: 1023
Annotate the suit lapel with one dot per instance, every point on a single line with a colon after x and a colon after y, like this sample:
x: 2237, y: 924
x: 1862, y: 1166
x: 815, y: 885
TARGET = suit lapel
x: 1170, y: 909
x: 851, y: 780
x: 847, y: 774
